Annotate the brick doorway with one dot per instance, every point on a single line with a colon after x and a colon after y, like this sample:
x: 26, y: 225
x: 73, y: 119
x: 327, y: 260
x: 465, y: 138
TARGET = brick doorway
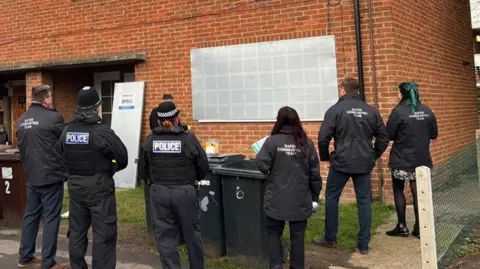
x: 68, y: 82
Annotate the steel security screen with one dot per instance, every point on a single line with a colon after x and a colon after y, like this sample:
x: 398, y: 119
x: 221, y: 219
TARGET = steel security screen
x: 250, y: 82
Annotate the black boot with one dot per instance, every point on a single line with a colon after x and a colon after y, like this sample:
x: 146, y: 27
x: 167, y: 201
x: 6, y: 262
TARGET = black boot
x: 400, y: 230
x: 416, y: 231
x: 320, y: 241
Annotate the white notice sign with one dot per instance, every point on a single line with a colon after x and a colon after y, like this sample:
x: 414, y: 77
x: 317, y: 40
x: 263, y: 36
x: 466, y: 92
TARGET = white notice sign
x: 126, y: 102
x: 7, y: 173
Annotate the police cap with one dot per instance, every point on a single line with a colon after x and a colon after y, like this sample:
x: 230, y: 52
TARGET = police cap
x: 88, y: 99
x: 167, y: 110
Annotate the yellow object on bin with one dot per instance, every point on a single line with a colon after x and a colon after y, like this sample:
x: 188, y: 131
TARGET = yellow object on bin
x: 212, y: 146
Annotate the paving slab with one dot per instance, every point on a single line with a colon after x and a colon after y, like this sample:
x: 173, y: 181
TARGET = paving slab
x: 385, y: 252
x: 10, y: 243
x: 391, y: 252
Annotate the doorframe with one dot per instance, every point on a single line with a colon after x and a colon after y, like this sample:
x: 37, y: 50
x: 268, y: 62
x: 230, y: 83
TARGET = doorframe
x: 98, y: 78
x: 12, y: 84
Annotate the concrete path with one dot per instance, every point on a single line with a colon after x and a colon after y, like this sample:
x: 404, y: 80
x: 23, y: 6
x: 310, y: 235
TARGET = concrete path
x: 9, y: 244
x: 390, y: 252
x: 385, y: 252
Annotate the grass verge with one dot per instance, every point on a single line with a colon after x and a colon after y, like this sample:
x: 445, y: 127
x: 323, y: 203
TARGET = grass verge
x: 348, y: 225
x: 130, y: 207
x: 464, y: 251
x: 131, y: 210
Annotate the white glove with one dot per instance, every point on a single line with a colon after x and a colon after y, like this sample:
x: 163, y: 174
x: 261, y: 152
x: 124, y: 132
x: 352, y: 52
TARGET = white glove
x: 315, y: 206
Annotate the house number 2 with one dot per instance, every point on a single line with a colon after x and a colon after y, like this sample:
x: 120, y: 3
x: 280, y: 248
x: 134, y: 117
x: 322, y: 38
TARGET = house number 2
x: 7, y: 187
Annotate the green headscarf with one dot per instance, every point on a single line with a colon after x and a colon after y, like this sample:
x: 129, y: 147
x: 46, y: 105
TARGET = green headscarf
x: 410, y: 89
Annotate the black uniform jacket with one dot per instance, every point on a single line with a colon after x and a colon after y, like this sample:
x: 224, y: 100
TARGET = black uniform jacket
x: 108, y: 144
x: 411, y: 133
x: 193, y: 157
x: 294, y: 179
x: 352, y: 124
x: 38, y: 130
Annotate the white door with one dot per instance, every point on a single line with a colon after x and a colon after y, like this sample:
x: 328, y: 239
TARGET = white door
x: 127, y: 114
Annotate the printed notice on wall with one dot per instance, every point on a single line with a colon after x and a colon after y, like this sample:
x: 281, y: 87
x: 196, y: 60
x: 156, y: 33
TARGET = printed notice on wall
x: 126, y: 102
x: 7, y: 173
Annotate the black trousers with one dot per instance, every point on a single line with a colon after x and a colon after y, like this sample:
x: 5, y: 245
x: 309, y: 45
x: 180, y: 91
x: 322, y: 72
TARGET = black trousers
x: 297, y: 243
x: 102, y: 215
x: 176, y: 208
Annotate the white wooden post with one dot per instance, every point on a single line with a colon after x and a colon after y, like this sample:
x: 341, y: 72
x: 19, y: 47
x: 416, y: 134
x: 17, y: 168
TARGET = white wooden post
x: 478, y: 152
x: 427, y: 220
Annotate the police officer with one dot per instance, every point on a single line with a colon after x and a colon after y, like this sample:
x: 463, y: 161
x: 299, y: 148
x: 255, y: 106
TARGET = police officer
x: 93, y: 153
x: 153, y: 114
x: 171, y: 163
x: 153, y: 120
x: 352, y: 124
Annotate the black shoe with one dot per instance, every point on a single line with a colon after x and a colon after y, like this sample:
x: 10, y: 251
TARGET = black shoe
x: 416, y: 233
x: 362, y: 251
x: 416, y: 230
x: 400, y: 230
x: 324, y: 243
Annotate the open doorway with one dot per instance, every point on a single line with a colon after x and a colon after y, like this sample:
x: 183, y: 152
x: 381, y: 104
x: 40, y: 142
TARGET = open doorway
x: 104, y: 82
x: 13, y: 103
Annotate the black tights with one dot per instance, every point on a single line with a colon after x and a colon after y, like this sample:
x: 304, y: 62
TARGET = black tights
x: 400, y: 202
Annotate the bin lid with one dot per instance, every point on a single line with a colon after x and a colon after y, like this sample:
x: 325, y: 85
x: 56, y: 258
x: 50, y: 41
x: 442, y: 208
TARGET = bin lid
x: 240, y: 168
x: 217, y: 159
x: 5, y: 156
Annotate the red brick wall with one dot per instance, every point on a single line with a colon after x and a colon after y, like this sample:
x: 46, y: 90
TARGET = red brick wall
x: 68, y: 30
x: 67, y: 85
x: 432, y: 53
x: 433, y: 56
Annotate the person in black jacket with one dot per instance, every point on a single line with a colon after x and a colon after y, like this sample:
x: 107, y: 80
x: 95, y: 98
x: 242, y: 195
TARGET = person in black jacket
x: 37, y: 131
x: 411, y: 126
x: 3, y: 135
x: 352, y: 124
x: 172, y: 162
x: 93, y: 154
x: 289, y: 159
